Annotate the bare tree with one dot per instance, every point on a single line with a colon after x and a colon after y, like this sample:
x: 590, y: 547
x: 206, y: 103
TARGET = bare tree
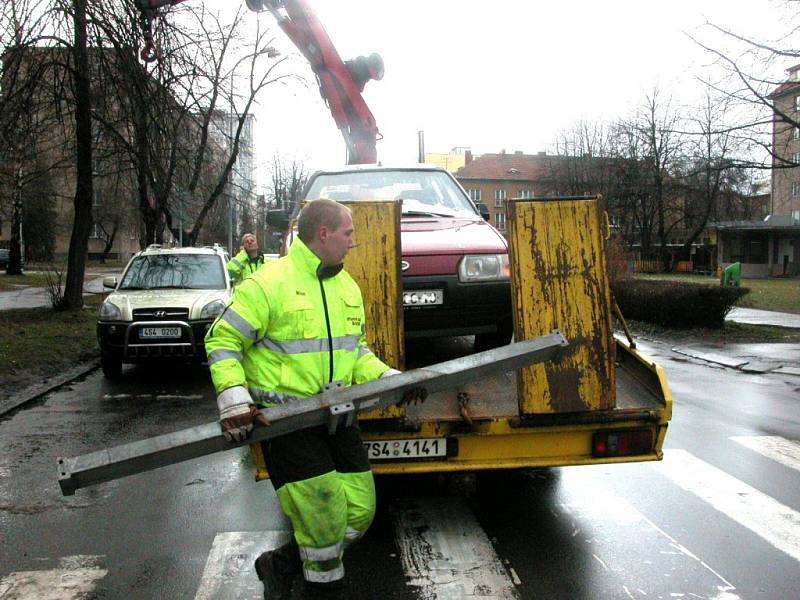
x: 23, y: 23
x: 711, y: 168
x: 753, y: 77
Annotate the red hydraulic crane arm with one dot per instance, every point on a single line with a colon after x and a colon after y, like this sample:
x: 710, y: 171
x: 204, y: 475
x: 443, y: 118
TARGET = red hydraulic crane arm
x: 340, y: 82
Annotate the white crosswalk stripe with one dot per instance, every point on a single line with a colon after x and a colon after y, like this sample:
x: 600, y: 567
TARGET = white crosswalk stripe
x: 75, y: 578
x: 776, y: 523
x: 661, y: 566
x: 445, y: 552
x: 229, y: 571
x: 774, y: 447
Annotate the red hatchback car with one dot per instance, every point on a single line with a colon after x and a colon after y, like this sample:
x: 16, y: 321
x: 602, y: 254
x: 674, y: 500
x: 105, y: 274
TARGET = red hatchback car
x: 454, y: 263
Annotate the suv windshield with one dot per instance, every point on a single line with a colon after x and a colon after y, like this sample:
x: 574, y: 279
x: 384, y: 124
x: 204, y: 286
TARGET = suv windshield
x: 182, y: 271
x: 422, y: 192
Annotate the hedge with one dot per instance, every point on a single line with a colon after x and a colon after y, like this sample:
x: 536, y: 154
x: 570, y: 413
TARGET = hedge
x: 676, y: 304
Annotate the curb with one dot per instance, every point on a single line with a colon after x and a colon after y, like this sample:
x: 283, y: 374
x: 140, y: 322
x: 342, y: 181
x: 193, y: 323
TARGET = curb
x: 725, y: 361
x: 38, y: 390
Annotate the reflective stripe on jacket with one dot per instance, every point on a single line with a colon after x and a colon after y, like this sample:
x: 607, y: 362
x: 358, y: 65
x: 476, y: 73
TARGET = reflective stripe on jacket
x: 286, y: 333
x: 241, y: 265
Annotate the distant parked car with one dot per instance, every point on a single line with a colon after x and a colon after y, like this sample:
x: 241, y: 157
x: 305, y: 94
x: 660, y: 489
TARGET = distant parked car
x: 162, y: 306
x: 4, y: 258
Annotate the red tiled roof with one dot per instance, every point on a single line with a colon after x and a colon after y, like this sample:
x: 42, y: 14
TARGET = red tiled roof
x: 785, y: 88
x: 524, y: 167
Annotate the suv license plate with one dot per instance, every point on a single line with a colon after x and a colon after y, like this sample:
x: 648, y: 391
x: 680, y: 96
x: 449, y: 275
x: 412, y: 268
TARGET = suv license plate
x: 399, y: 449
x: 422, y: 297
x: 160, y: 332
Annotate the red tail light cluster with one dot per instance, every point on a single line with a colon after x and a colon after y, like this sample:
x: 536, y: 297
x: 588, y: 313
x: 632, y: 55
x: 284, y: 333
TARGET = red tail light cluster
x: 622, y: 442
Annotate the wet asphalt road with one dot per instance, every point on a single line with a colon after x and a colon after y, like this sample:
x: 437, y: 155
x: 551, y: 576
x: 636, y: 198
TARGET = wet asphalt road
x: 613, y: 531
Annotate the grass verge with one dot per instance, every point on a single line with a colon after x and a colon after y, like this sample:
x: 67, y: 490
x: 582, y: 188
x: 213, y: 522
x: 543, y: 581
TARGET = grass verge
x: 10, y: 282
x: 732, y: 333
x: 39, y: 342
x: 765, y: 294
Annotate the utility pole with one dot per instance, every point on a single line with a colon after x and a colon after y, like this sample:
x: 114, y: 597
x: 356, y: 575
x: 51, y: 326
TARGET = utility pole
x: 180, y: 218
x: 231, y: 199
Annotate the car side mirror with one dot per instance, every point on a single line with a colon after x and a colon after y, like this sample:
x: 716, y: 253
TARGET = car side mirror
x: 110, y: 282
x: 484, y: 210
x: 278, y: 219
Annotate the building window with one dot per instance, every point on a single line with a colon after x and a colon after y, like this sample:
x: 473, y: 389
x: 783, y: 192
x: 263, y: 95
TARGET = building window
x: 797, y: 103
x: 474, y: 195
x: 525, y: 194
x: 796, y: 158
x: 500, y: 221
x: 795, y: 189
x: 796, y: 133
x: 96, y: 231
x: 98, y: 198
x: 499, y: 198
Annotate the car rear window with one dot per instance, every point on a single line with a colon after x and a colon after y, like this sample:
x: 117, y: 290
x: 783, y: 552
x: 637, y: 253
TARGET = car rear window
x: 422, y: 192
x: 174, y: 271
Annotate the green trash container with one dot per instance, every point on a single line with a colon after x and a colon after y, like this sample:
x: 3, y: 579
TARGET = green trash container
x: 732, y: 275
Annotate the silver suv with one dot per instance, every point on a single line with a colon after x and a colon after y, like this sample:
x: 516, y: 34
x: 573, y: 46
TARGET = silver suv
x: 162, y: 306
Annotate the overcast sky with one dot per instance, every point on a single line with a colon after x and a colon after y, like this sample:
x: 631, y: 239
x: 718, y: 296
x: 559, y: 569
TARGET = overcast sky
x: 506, y: 74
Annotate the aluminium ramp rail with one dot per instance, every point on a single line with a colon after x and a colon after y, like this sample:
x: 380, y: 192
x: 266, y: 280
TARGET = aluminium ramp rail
x: 326, y: 408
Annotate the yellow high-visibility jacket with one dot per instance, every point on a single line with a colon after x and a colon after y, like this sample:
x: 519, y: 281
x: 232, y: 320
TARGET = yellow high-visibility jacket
x: 241, y: 265
x: 288, y: 331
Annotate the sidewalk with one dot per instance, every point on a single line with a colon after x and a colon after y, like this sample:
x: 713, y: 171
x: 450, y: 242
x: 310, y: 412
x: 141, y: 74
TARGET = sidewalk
x: 749, y: 358
x: 754, y: 316
x: 34, y: 297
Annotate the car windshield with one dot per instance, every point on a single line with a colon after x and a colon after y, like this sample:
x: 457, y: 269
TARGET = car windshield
x: 174, y: 271
x: 423, y: 192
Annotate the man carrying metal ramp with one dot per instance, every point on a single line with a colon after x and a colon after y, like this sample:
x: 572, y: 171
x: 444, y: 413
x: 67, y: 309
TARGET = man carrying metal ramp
x: 293, y: 329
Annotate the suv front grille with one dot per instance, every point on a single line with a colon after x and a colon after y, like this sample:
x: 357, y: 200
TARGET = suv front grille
x: 161, y: 314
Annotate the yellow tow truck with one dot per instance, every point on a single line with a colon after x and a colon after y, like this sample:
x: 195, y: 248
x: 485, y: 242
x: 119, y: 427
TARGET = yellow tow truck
x: 602, y: 402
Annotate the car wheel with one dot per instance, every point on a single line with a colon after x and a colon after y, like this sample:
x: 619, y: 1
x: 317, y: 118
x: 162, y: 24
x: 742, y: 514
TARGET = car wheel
x: 111, y: 365
x: 501, y: 337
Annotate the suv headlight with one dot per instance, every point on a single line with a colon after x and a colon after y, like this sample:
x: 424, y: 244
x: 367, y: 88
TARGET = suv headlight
x: 212, y: 310
x: 483, y: 267
x: 110, y: 311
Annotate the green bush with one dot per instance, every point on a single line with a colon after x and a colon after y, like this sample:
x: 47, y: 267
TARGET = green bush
x: 676, y: 304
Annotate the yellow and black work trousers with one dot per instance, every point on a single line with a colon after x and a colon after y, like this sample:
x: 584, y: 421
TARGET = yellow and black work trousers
x: 325, y: 487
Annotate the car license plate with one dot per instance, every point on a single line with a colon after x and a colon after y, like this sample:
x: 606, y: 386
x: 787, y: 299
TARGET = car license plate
x: 399, y: 449
x: 422, y: 297
x: 160, y: 332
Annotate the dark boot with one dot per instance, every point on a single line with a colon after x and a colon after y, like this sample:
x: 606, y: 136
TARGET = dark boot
x: 277, y: 570
x: 326, y: 591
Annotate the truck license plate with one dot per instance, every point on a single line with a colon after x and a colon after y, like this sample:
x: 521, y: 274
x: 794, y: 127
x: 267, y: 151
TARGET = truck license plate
x: 422, y: 297
x: 160, y: 332
x: 399, y: 449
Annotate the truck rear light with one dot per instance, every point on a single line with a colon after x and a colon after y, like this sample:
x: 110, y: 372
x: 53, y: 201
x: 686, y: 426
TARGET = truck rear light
x: 623, y: 442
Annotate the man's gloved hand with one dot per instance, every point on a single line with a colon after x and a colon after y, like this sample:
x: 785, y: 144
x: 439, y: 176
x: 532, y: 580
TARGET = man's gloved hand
x: 412, y: 396
x: 237, y: 413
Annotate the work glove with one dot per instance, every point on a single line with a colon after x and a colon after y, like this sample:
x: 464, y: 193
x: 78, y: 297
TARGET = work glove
x: 237, y: 413
x: 412, y: 396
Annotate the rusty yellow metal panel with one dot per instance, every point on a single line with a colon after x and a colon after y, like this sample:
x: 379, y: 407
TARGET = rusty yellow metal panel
x: 375, y: 264
x: 560, y: 281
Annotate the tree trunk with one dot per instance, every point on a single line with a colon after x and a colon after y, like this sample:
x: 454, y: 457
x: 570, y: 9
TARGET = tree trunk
x: 14, y: 266
x: 78, y: 243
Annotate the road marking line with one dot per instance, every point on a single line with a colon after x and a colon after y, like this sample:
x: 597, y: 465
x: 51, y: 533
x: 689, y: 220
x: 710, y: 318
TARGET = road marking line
x: 230, y: 563
x: 602, y: 516
x: 774, y: 447
x: 445, y: 552
x: 75, y: 579
x: 763, y: 515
